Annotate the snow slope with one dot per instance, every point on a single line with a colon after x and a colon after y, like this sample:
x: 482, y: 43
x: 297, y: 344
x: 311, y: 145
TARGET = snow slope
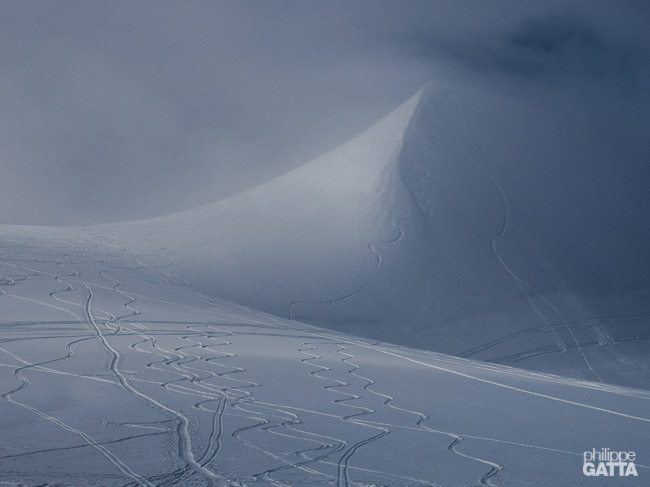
x: 114, y: 371
x: 462, y: 223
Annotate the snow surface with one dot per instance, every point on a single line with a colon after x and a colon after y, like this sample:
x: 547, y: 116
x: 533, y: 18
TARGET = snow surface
x: 430, y: 230
x: 115, y: 372
x: 125, y: 361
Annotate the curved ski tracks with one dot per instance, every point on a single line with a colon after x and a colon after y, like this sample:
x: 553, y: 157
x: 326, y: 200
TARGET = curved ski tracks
x: 526, y: 286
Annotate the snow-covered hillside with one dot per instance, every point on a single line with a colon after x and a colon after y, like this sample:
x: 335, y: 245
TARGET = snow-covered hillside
x: 115, y: 372
x: 462, y: 223
x: 335, y: 326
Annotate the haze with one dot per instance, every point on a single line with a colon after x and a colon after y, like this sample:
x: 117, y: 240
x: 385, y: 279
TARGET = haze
x: 124, y: 110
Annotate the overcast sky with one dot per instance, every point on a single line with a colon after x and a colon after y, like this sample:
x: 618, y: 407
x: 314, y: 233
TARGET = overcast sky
x: 119, y: 110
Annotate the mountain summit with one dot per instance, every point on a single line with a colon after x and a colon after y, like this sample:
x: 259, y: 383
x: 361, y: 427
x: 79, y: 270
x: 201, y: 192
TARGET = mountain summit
x: 460, y: 223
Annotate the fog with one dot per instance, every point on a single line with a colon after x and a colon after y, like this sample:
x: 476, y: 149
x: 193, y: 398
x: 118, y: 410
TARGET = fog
x: 124, y: 110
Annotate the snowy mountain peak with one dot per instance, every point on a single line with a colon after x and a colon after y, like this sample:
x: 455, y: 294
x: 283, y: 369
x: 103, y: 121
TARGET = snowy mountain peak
x: 431, y: 229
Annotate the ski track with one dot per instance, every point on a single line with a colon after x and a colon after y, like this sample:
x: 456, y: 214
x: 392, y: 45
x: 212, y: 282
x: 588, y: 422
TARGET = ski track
x: 595, y: 322
x: 343, y: 464
x: 456, y: 438
x: 89, y: 440
x: 243, y: 399
x: 493, y: 244
x: 184, y: 438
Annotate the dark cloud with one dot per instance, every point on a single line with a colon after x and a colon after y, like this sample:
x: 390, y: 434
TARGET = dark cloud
x: 557, y: 45
x: 544, y: 48
x: 563, y: 46
x: 556, y: 35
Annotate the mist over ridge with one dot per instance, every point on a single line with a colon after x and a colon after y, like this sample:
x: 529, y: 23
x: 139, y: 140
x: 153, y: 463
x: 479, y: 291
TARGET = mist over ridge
x: 162, y: 108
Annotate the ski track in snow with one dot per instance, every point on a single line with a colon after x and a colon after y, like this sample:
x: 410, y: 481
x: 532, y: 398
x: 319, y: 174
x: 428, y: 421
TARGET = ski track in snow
x: 525, y: 285
x: 613, y: 338
x: 456, y: 438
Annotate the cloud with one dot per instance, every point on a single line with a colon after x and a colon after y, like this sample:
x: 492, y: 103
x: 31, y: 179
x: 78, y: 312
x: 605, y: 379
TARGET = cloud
x: 549, y: 48
x: 113, y: 111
